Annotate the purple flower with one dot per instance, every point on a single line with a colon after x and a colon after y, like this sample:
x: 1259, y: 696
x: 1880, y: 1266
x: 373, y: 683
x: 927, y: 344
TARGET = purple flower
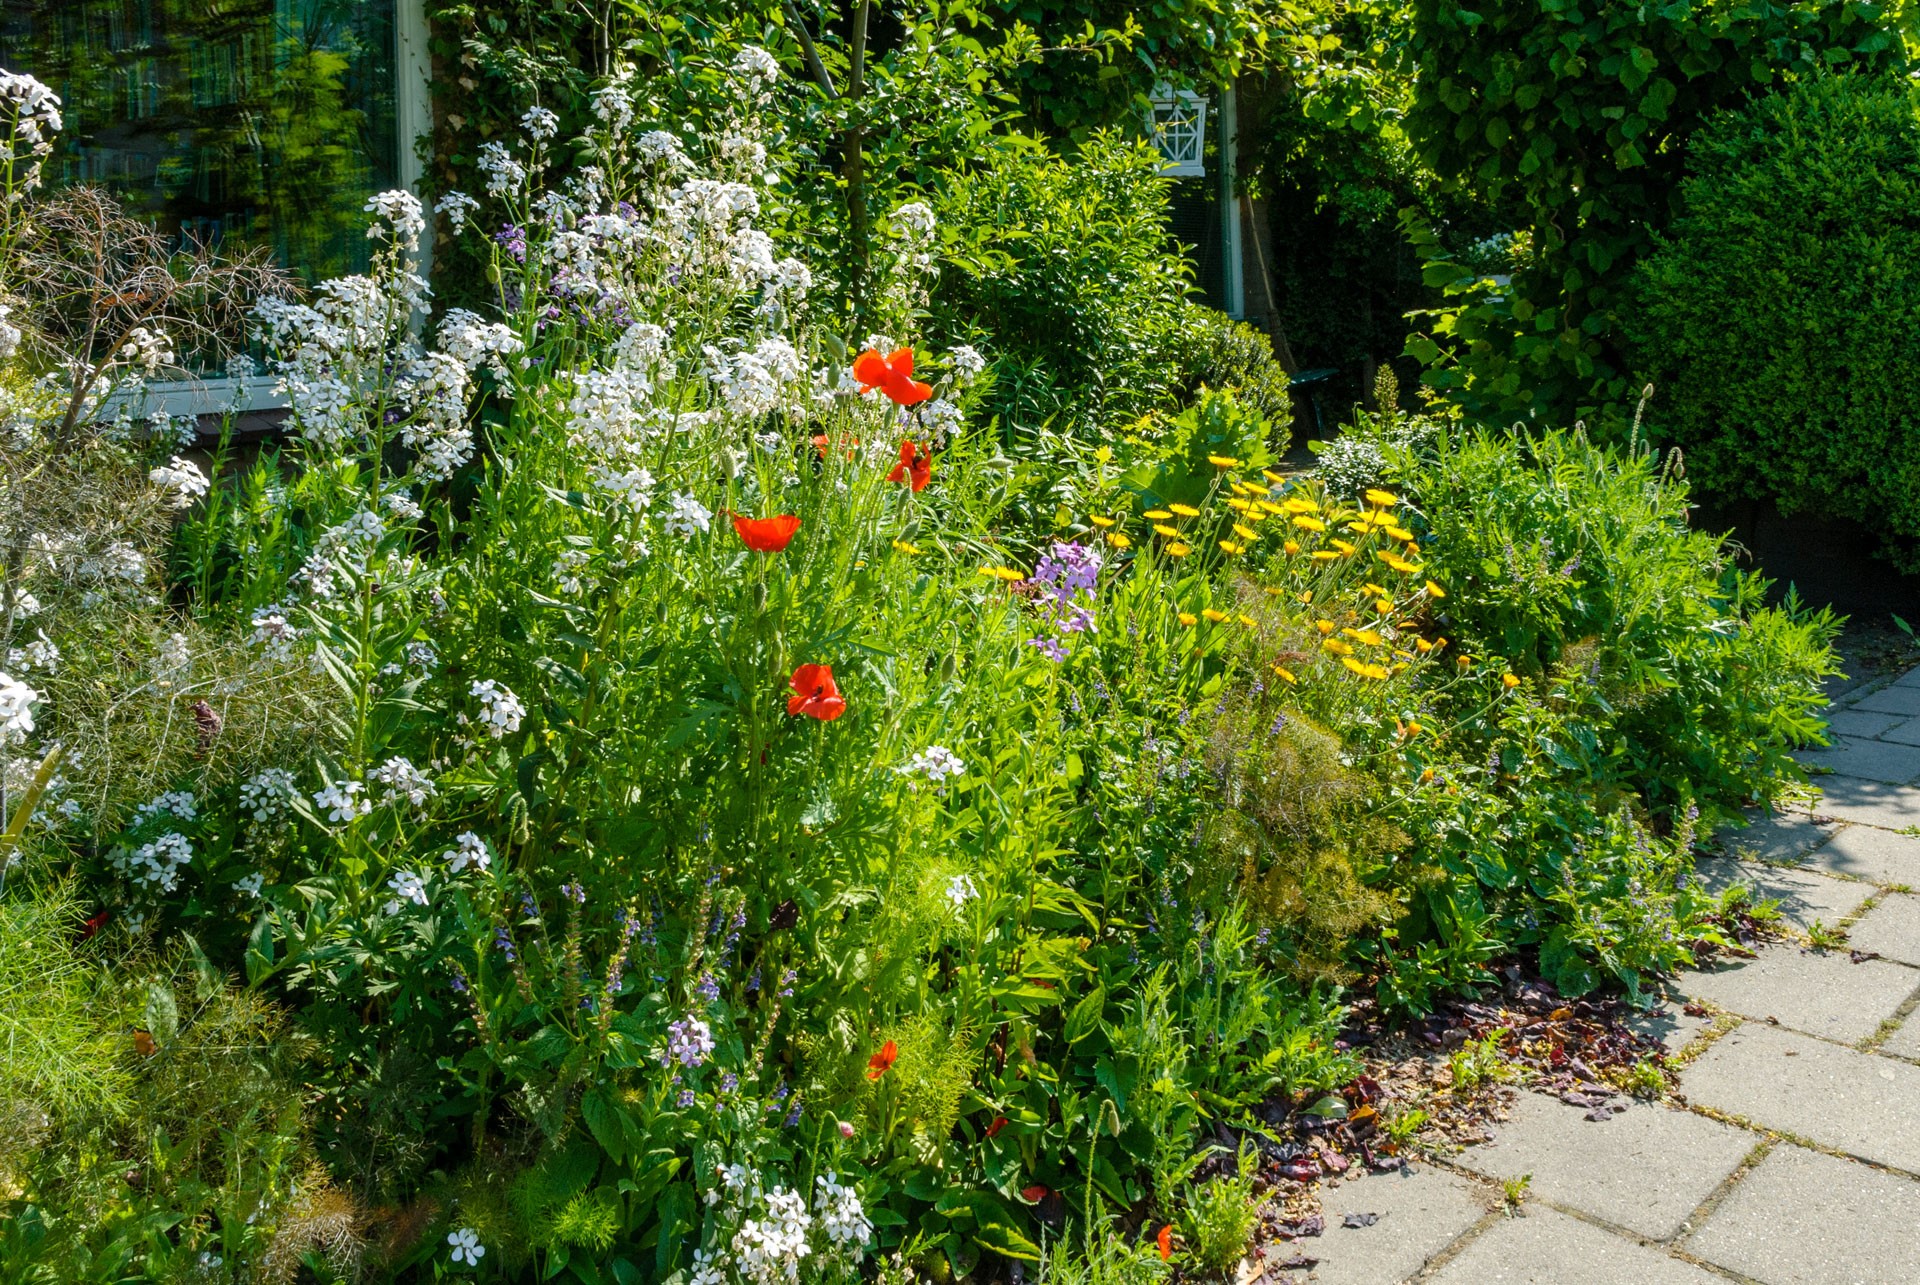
x: 689, y: 1041
x: 1049, y: 647
x: 793, y: 1115
x: 503, y: 942
x: 729, y: 1082
x: 513, y: 239
x: 708, y: 989
x: 575, y: 892
x: 685, y: 1099
x: 786, y: 983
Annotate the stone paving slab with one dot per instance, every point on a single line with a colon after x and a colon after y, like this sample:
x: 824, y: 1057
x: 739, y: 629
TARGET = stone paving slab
x: 1904, y: 733
x: 1551, y: 1248
x: 1891, y: 930
x: 1846, y: 798
x: 1670, y: 1023
x: 1421, y: 1213
x: 1781, y: 837
x: 1820, y: 992
x: 1803, y: 895
x: 1867, y: 852
x: 1860, y: 722
x: 1803, y: 1218
x: 1904, y: 1042
x: 1859, y: 1103
x: 1898, y: 698
x: 1869, y: 760
x: 1645, y: 1169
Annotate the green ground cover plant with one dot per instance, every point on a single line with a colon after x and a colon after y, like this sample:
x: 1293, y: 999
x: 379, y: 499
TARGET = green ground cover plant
x: 646, y: 783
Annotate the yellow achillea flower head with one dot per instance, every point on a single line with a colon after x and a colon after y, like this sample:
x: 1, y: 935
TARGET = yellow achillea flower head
x: 1185, y: 510
x: 1286, y: 675
x: 1157, y: 515
x: 1178, y: 550
x: 1342, y: 545
x: 1238, y: 504
x: 1161, y: 528
x: 1008, y: 574
x: 1228, y: 546
x: 906, y: 547
x: 1215, y: 615
x: 1324, y: 555
x: 1398, y: 532
x: 1248, y: 621
x: 1272, y: 476
x: 1291, y: 546
x: 1295, y: 504
x: 1509, y: 682
x: 1324, y: 626
x: 1118, y: 541
x: 1099, y: 521
x: 1223, y: 461
x: 1381, y: 499
x: 1245, y: 532
x: 1337, y: 647
x: 1435, y: 590
x: 1422, y: 645
x: 1188, y: 618
x: 1367, y: 636
x: 1306, y: 523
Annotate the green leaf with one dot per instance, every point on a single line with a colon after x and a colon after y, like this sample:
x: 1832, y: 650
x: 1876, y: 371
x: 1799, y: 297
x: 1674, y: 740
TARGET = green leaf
x: 1085, y: 1017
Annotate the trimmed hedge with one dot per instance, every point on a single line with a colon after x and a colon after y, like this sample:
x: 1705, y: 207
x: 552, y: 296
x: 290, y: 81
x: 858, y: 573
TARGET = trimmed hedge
x: 1780, y: 316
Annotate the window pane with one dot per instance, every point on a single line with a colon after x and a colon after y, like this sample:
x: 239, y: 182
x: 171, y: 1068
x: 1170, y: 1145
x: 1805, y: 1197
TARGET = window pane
x: 242, y: 122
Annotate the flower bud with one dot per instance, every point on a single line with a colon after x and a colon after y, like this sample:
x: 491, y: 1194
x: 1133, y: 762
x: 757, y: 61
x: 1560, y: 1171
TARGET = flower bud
x: 846, y: 1130
x: 493, y: 274
x: 949, y: 666
x: 759, y: 595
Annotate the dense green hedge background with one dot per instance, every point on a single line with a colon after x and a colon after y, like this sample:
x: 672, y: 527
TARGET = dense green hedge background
x: 1780, y: 316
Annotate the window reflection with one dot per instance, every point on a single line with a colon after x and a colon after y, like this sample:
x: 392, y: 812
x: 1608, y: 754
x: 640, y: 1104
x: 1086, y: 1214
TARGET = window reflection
x: 248, y: 122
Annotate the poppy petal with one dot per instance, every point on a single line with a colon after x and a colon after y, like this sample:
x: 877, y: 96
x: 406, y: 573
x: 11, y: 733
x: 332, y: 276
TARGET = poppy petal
x: 901, y: 361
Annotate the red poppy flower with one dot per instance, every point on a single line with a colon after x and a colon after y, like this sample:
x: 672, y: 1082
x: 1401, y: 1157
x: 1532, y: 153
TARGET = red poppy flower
x: 766, y: 535
x: 1033, y: 1195
x: 915, y: 467
x: 999, y: 1123
x: 96, y: 922
x: 882, y: 1062
x: 892, y: 375
x: 815, y: 694
x: 1165, y: 1241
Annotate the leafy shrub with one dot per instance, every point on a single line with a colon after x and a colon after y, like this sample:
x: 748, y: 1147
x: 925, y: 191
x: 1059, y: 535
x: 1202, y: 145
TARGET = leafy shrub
x: 1780, y: 316
x: 1062, y: 267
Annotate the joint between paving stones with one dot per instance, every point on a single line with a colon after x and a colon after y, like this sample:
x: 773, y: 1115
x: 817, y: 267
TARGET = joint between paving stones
x: 1890, y: 1024
x: 1772, y: 1135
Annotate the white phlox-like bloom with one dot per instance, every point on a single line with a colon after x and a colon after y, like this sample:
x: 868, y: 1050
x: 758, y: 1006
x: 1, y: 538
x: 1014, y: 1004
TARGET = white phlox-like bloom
x: 16, y: 710
x: 400, y: 211
x: 500, y: 710
x: 182, y: 481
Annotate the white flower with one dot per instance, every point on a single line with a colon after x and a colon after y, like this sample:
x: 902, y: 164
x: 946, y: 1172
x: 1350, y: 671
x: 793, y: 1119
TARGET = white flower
x: 753, y: 63
x: 842, y: 1216
x: 936, y: 763
x: 613, y: 105
x: 456, y: 206
x: 9, y: 334
x: 40, y: 654
x: 938, y: 420
x: 770, y: 1249
x: 250, y: 885
x: 688, y: 516
x: 183, y: 479
x: 342, y: 802
x: 500, y: 710
x: 504, y: 174
x: 147, y: 349
x: 174, y: 803
x: 639, y: 347
x: 602, y: 417
x: 914, y: 221
x: 960, y: 891
x: 466, y: 1246
x: 966, y: 362
x: 792, y: 278
x: 267, y: 793
x: 705, y: 1270
x: 272, y: 633
x: 540, y: 124
x: 400, y: 211
x: 158, y: 863
x: 403, y: 782
x: 475, y: 342
x: 407, y: 885
x: 659, y: 145
x: 469, y: 850
x: 25, y: 604
x: 16, y: 710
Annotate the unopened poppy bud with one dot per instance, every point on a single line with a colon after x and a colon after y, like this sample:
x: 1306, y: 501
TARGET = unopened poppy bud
x: 911, y: 532
x: 846, y: 1130
x: 729, y: 465
x: 949, y: 666
x: 493, y: 274
x: 759, y: 595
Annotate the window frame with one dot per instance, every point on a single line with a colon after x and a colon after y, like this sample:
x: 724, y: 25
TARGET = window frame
x: 218, y: 395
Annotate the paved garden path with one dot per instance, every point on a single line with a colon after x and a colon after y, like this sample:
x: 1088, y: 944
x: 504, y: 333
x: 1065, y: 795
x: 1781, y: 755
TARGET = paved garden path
x: 1792, y: 1155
